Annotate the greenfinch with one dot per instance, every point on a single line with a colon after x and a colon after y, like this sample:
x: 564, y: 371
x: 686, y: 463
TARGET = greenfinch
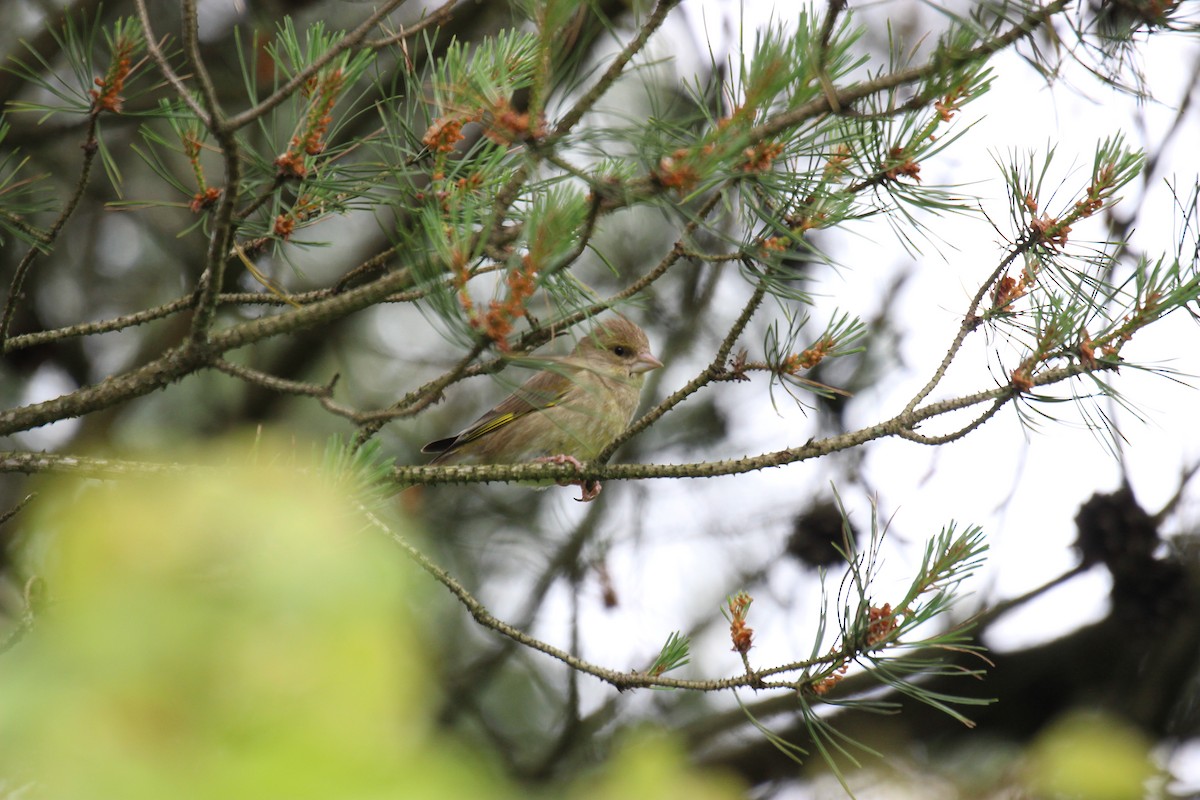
x: 566, y: 413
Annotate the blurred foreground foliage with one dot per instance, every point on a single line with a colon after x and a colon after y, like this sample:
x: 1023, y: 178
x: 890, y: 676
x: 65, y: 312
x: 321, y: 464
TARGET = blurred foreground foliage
x: 239, y: 631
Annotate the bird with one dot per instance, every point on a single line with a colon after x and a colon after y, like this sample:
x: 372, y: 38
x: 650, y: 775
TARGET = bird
x: 566, y: 413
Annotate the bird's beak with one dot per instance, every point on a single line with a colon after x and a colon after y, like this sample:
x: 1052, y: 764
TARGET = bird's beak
x: 644, y: 363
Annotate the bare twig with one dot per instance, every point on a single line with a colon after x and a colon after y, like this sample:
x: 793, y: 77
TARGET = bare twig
x: 90, y: 148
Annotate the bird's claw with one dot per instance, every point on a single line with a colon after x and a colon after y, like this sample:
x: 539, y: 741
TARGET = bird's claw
x: 589, y: 490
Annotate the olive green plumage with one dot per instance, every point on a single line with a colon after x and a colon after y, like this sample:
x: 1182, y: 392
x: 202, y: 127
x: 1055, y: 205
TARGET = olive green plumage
x: 573, y: 408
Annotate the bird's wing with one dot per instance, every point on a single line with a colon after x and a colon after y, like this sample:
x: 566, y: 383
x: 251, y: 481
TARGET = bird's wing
x: 540, y: 392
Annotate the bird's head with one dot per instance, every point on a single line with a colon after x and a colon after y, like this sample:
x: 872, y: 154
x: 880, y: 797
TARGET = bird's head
x: 618, y: 346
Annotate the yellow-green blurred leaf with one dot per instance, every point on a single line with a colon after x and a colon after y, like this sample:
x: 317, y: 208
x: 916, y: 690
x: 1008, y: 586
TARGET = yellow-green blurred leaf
x: 1090, y: 756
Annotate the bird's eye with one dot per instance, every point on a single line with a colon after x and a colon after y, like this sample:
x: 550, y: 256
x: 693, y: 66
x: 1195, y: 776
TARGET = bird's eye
x: 620, y: 350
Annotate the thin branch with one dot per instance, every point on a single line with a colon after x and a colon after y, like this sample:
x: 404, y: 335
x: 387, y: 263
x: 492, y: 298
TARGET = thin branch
x: 566, y: 557
x: 191, y: 46
x: 323, y: 393
x: 617, y: 68
x: 817, y: 448
x: 164, y: 66
x: 16, y: 509
x: 212, y: 280
x: 90, y: 148
x: 103, y: 326
x: 937, y: 64
x: 970, y: 322
x: 992, y: 613
x: 27, y: 228
x: 423, y: 396
x: 192, y: 356
x: 298, y: 80
x: 539, y: 472
x: 183, y: 304
x: 274, y: 383
x: 620, y: 680
x: 85, y: 466
x: 438, y: 16
x: 833, y: 9
x: 19, y: 632
x: 1186, y: 475
x: 919, y: 438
